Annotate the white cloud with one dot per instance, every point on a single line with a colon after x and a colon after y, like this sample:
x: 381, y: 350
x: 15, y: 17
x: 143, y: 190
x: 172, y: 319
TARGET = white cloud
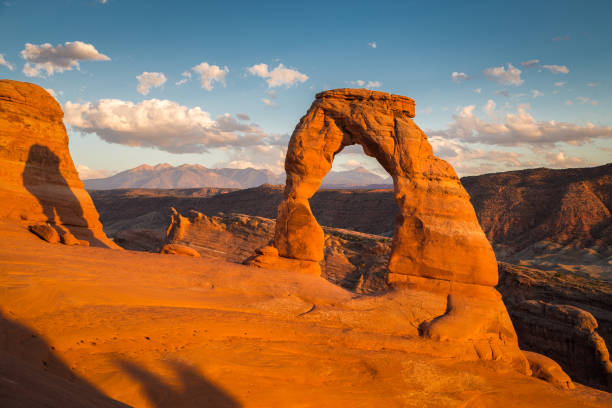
x: 535, y: 93
x: 103, y: 1
x: 6, y: 63
x: 279, y: 76
x: 209, y: 74
x: 186, y: 77
x: 88, y: 173
x: 148, y: 80
x: 364, y: 84
x: 531, y: 63
x: 269, y: 102
x: 51, y: 92
x: 560, y: 83
x: 583, y: 99
x: 556, y: 69
x: 160, y: 124
x: 489, y: 108
x: 459, y: 76
x: 560, y: 160
x: 478, y: 90
x: 60, y: 58
x: 519, y: 129
x: 372, y: 44
x: 511, y: 76
x: 467, y: 160
x: 593, y: 84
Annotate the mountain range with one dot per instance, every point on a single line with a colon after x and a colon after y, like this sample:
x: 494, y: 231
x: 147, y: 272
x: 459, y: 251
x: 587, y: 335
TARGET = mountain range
x: 196, y: 176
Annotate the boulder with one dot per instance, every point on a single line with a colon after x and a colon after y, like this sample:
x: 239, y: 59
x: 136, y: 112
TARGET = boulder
x: 38, y: 180
x: 178, y: 249
x: 45, y: 232
x: 548, y: 370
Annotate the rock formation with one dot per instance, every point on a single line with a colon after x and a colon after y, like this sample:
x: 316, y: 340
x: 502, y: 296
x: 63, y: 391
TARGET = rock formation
x: 438, y: 246
x: 38, y: 180
x: 436, y: 232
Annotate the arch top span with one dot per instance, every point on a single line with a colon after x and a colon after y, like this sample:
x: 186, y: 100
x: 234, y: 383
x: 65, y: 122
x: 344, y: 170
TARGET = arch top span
x: 394, y: 102
x: 437, y: 234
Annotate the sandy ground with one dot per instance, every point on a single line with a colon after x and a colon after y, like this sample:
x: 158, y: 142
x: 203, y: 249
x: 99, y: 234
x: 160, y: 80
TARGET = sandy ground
x: 96, y: 327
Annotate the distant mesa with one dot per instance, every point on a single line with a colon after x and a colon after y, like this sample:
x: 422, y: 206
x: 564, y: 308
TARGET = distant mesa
x: 40, y: 184
x: 195, y: 176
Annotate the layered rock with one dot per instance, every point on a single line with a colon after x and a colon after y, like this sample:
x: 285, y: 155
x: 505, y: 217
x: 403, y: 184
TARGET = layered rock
x: 38, y: 180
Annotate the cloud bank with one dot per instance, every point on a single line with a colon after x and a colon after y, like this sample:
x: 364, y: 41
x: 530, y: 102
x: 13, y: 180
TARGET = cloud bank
x: 160, y: 124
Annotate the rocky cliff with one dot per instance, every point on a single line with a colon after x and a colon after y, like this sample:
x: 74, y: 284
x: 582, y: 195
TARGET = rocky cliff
x: 38, y: 180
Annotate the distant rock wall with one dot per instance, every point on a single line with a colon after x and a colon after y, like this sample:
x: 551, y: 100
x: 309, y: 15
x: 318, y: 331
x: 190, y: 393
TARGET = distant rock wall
x: 38, y: 180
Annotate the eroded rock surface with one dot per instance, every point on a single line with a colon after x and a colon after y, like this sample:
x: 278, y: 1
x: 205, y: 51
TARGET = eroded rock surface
x: 38, y: 180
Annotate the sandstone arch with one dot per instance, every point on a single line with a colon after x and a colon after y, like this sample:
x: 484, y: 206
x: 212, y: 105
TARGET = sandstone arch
x: 437, y: 234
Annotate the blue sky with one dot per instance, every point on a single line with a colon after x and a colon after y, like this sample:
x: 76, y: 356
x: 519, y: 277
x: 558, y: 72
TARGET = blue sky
x: 531, y: 84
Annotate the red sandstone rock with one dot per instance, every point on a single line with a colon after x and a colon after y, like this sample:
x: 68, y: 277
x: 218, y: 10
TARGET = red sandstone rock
x: 39, y: 182
x: 437, y: 234
x: 548, y: 370
x: 45, y: 232
x: 178, y: 249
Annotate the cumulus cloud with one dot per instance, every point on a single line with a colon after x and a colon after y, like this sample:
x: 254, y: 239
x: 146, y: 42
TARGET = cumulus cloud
x: 60, y: 58
x: 535, y: 93
x: 519, y: 128
x: 160, y: 124
x: 510, y: 76
x: 557, y: 69
x: 148, y: 80
x: 560, y: 83
x: 459, y: 76
x: 86, y: 173
x: 372, y: 44
x: 560, y: 160
x: 209, y: 74
x: 6, y: 63
x: 279, y: 76
x: 531, y: 63
x: 489, y: 108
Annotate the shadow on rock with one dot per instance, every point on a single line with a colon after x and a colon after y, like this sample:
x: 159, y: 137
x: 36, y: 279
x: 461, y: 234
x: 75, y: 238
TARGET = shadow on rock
x: 194, y: 391
x: 32, y: 375
x: 43, y: 179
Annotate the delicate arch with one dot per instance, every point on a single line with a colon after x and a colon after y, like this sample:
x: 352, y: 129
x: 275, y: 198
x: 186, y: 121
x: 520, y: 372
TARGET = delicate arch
x: 436, y: 233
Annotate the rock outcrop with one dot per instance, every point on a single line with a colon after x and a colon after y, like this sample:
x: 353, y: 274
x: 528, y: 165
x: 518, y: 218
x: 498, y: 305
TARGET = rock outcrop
x: 38, y: 180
